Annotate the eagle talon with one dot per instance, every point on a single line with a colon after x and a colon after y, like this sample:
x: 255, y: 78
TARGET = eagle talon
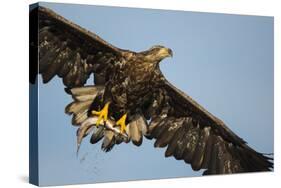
x: 122, y: 123
x: 102, y: 114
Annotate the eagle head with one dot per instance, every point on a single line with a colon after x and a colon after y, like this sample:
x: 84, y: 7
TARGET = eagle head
x: 157, y: 53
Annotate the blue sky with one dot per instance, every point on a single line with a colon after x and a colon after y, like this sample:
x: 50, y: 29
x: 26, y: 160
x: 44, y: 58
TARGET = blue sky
x: 224, y: 62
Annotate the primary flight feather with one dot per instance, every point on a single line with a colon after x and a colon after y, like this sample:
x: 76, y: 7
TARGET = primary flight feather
x: 131, y: 99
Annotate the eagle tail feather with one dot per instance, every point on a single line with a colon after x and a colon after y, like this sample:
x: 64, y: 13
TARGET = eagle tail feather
x: 84, y: 99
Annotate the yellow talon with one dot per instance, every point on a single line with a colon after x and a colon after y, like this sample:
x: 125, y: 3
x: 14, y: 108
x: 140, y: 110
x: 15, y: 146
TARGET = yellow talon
x: 122, y: 123
x: 102, y: 114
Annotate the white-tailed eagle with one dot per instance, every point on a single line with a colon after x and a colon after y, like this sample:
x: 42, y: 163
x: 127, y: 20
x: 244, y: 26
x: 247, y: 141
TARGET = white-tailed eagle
x: 131, y: 99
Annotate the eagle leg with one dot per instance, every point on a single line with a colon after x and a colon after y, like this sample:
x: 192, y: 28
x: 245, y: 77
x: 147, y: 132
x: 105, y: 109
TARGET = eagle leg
x: 122, y: 123
x: 102, y: 114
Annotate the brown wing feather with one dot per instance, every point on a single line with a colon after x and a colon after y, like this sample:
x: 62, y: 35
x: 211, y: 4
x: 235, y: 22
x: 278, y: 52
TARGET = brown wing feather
x: 194, y: 135
x: 72, y: 52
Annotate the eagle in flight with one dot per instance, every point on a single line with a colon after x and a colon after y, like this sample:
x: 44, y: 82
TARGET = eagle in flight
x: 131, y: 99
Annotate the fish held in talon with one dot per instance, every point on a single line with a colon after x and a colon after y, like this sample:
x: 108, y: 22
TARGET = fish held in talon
x: 102, y: 114
x: 122, y: 123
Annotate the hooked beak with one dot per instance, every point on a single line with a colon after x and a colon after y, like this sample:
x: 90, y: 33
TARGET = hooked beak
x: 170, y: 52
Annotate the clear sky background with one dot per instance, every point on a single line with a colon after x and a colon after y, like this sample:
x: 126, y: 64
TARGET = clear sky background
x: 224, y: 62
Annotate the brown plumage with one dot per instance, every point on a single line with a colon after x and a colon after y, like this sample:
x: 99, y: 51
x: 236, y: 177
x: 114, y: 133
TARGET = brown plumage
x: 134, y: 84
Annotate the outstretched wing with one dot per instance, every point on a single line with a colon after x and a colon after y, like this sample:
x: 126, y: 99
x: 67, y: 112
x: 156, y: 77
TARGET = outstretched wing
x: 71, y: 52
x: 194, y: 135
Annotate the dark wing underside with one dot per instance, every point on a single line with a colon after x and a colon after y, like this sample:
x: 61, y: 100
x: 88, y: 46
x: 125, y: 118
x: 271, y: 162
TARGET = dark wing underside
x: 194, y: 135
x: 71, y: 52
